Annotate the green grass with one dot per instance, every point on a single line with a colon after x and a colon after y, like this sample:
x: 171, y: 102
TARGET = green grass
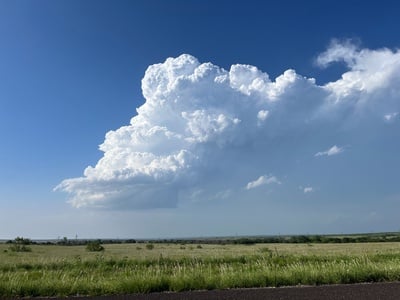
x: 125, y: 268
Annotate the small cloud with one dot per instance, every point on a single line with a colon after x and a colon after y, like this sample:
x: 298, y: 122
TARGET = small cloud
x: 332, y: 151
x: 262, y: 180
x: 262, y: 115
x: 346, y: 51
x: 308, y: 189
x: 390, y: 117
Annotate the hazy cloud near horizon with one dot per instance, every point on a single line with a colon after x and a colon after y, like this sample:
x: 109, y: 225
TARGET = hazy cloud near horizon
x: 204, y: 130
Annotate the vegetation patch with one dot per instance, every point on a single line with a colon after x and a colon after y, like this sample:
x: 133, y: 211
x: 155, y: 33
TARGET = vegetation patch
x: 94, y: 246
x: 20, y: 244
x: 149, y: 246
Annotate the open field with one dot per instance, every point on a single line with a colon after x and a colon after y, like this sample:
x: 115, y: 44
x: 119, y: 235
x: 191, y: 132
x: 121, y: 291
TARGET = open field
x: 51, y: 270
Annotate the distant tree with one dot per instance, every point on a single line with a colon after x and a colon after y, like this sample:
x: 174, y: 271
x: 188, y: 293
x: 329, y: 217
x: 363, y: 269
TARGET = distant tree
x: 22, y: 241
x: 20, y: 245
x: 63, y: 241
x: 130, y: 241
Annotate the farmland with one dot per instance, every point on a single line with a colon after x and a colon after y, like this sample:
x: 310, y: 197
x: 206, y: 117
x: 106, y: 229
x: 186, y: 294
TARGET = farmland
x: 55, y: 270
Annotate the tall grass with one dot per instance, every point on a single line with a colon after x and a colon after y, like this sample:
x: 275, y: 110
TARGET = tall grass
x: 101, y: 274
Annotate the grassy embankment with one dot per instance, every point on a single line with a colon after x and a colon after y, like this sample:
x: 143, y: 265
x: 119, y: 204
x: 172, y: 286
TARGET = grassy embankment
x: 132, y: 268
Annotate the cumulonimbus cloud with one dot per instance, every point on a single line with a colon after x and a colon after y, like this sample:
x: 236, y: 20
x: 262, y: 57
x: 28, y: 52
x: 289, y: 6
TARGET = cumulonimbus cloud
x: 204, y: 128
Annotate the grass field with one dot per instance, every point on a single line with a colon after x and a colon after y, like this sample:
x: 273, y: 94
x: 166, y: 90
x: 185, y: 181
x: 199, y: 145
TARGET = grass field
x: 51, y: 270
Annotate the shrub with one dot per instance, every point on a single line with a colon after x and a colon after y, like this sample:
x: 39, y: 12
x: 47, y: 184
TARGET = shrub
x: 149, y: 246
x: 20, y: 245
x: 21, y: 241
x: 19, y: 248
x: 94, y: 246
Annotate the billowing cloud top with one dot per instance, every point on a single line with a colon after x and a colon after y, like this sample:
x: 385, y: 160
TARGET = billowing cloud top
x: 204, y: 131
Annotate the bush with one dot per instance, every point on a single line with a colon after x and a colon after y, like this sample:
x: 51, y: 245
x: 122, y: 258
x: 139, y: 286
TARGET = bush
x: 19, y: 248
x: 94, y: 246
x: 149, y: 246
x: 20, y: 245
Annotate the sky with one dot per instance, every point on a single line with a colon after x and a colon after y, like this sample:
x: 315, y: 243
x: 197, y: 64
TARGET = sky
x: 162, y: 119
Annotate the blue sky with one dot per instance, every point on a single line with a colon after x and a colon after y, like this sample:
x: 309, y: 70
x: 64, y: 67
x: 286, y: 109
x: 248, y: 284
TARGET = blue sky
x: 223, y: 150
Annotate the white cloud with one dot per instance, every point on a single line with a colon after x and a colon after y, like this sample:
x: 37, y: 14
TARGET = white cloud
x: 203, y: 128
x: 262, y: 115
x: 390, y: 117
x: 262, y: 180
x: 308, y: 189
x: 331, y: 151
x: 338, y: 51
x: 370, y: 71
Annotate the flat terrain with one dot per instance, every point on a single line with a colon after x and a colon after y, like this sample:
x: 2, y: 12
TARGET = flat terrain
x: 139, y: 251
x: 127, y: 269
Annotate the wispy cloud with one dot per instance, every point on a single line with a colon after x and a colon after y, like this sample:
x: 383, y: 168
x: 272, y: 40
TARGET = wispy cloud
x: 262, y: 180
x: 334, y: 150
